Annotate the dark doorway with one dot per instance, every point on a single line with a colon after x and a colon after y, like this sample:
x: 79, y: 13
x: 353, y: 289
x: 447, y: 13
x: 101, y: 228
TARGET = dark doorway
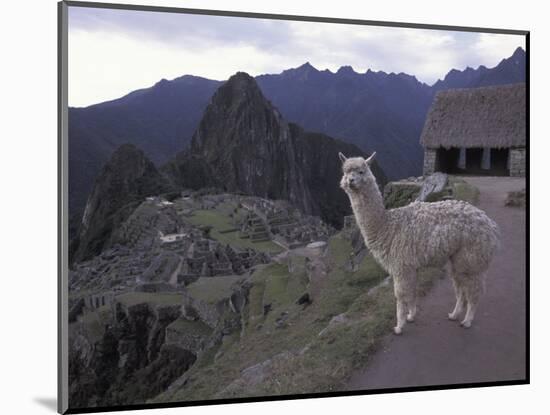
x: 448, y: 160
x: 499, y: 162
x: 473, y: 161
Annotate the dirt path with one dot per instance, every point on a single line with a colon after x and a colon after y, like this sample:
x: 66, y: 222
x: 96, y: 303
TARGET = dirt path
x: 436, y: 351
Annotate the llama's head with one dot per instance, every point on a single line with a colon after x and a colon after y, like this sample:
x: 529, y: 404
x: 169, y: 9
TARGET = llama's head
x: 357, y: 173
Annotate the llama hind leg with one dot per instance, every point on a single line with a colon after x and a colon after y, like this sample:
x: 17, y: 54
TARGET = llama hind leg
x: 473, y: 291
x: 459, y: 307
x: 411, y: 299
x: 460, y: 300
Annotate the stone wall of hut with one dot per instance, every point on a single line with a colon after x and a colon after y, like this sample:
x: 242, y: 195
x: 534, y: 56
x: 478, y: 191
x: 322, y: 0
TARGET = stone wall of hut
x: 430, y: 161
x: 517, y: 162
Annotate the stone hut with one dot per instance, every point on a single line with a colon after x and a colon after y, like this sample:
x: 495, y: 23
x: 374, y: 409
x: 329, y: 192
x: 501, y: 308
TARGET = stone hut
x: 479, y: 131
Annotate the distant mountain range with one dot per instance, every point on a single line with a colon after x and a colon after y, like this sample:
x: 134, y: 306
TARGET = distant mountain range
x: 373, y: 110
x: 241, y: 145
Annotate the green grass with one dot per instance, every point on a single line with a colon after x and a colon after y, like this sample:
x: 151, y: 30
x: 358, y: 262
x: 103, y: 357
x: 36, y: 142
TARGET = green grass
x: 220, y: 221
x: 466, y: 192
x: 339, y: 248
x: 133, y: 298
x: 197, y: 327
x: 256, y: 294
x: 276, y: 282
x: 401, y: 195
x: 213, y: 289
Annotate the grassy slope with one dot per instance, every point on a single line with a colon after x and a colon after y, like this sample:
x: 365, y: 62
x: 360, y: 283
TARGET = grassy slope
x: 464, y: 191
x: 325, y: 360
x: 212, y: 289
x: 194, y: 328
x: 134, y: 297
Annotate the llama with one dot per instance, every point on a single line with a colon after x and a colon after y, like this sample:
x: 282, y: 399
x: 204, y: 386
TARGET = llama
x: 422, y: 234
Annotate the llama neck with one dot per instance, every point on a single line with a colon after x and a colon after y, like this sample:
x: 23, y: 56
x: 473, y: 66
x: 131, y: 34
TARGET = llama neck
x: 370, y: 213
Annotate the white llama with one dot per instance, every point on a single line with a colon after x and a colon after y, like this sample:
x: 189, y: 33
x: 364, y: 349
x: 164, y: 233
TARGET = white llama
x: 422, y: 234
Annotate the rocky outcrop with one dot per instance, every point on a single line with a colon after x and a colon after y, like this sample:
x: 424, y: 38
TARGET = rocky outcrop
x: 516, y: 199
x: 434, y: 183
x: 249, y: 146
x: 222, y: 308
x: 192, y: 335
x: 123, y: 184
x: 121, y: 355
x: 323, y: 171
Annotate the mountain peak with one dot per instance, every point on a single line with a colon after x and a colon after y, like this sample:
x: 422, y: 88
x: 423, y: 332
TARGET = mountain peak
x: 509, y: 70
x: 238, y: 88
x: 241, y: 81
x: 302, y: 72
x: 346, y: 70
x: 518, y: 53
x: 239, y: 98
x: 307, y: 67
x: 126, y: 150
x: 241, y: 77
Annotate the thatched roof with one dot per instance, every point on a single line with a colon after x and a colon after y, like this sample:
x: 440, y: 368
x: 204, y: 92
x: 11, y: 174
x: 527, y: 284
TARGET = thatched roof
x: 492, y: 116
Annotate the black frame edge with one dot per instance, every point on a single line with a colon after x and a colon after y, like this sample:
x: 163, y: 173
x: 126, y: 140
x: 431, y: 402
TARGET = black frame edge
x: 527, y: 204
x: 62, y: 207
x: 275, y: 398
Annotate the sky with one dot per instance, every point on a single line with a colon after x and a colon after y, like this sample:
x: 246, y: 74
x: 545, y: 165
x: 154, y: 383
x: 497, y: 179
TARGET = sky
x: 114, y: 52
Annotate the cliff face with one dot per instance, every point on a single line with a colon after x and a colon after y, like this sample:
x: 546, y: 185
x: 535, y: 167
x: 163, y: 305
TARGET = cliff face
x: 322, y: 170
x: 243, y: 144
x: 249, y: 146
x: 126, y: 179
x: 130, y: 345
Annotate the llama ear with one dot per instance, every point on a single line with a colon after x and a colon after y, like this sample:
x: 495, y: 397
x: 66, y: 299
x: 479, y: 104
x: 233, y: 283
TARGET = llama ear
x: 370, y: 159
x: 342, y: 157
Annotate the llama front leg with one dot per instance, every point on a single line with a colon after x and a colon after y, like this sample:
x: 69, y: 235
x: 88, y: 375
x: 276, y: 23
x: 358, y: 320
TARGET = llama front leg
x: 401, y: 316
x: 405, y: 304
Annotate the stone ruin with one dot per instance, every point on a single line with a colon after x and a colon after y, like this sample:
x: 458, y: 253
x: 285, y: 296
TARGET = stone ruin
x: 209, y: 258
x: 279, y: 221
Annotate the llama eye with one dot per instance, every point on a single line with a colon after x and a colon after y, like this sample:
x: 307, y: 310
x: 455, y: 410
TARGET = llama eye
x: 361, y: 171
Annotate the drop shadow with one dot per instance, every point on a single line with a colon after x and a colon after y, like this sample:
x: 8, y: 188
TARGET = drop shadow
x: 48, y: 403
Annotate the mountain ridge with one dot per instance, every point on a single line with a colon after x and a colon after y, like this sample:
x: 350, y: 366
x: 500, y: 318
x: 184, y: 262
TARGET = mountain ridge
x: 373, y: 110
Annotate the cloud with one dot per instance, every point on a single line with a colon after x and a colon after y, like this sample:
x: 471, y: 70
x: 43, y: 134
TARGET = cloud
x: 182, y: 30
x: 112, y: 52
